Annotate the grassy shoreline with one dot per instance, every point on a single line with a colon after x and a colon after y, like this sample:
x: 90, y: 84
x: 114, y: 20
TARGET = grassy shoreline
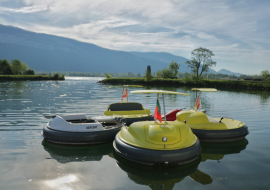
x: 182, y: 82
x: 29, y: 77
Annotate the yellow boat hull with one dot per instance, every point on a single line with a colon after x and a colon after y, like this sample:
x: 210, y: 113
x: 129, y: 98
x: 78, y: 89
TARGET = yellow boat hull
x: 209, y: 129
x: 164, y: 143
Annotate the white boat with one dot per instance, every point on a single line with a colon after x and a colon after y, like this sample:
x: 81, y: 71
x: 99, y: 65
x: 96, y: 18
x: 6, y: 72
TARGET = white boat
x: 78, y: 129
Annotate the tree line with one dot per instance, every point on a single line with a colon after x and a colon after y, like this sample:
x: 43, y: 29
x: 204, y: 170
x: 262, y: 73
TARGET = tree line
x: 15, y: 67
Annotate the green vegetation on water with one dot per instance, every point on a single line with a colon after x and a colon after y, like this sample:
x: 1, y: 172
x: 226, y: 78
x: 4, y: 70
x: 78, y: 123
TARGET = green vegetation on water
x: 16, y: 71
x: 193, y: 83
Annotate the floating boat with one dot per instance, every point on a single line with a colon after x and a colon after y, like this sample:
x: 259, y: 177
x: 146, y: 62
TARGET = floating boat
x: 209, y: 129
x: 129, y: 112
x: 80, y: 130
x: 153, y: 142
x: 66, y: 154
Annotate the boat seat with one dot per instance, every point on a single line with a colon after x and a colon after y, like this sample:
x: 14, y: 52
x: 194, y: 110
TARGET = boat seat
x: 211, y: 120
x: 129, y: 106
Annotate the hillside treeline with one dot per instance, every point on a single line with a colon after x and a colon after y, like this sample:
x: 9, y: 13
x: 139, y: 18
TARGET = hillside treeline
x: 15, y: 67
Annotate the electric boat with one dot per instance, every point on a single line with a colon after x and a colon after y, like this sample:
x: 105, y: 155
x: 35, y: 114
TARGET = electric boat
x: 77, y: 129
x: 157, y: 142
x: 129, y: 112
x: 208, y: 129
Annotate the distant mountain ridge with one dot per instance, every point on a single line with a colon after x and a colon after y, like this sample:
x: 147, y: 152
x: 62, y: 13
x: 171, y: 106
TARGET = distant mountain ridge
x: 227, y: 72
x: 53, y: 53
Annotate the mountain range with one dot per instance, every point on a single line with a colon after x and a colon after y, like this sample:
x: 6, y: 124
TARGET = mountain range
x: 44, y: 52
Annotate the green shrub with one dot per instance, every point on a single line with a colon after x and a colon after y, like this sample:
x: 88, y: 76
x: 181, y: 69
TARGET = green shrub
x: 108, y: 76
x: 29, y: 72
x: 62, y: 76
x: 148, y: 75
x: 56, y: 76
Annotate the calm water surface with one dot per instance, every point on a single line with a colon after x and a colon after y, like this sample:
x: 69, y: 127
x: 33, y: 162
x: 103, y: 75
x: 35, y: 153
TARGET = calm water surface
x: 27, y: 162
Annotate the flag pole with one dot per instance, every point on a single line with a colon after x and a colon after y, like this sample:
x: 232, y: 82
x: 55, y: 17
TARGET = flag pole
x: 123, y: 92
x: 127, y: 94
x: 164, y: 106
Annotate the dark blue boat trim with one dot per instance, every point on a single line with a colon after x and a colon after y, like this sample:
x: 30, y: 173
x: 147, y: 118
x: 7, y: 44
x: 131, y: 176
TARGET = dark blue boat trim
x: 150, y: 157
x: 221, y: 136
x: 129, y: 121
x: 75, y: 138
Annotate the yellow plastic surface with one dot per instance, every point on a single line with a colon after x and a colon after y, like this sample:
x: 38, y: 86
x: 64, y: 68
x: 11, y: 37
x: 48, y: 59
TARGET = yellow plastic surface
x: 126, y: 86
x: 205, y: 89
x: 129, y: 114
x: 148, y: 134
x: 157, y: 92
x: 199, y: 120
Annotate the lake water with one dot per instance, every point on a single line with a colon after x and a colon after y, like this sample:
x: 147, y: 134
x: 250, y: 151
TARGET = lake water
x: 26, y: 162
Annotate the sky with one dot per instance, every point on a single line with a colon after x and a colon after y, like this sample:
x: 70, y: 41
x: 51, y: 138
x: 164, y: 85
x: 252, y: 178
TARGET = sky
x: 236, y: 31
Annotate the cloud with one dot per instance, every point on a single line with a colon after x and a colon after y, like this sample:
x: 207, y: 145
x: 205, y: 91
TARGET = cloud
x: 31, y: 9
x: 236, y: 31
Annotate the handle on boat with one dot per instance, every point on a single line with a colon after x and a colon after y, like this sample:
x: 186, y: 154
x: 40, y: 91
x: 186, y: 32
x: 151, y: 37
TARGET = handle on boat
x: 225, y: 118
x: 240, y: 123
x: 49, y: 116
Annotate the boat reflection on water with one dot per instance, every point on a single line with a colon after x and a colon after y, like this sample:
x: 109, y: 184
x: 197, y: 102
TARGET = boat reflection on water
x: 217, y: 151
x: 164, y: 178
x: 160, y: 177
x: 65, y: 154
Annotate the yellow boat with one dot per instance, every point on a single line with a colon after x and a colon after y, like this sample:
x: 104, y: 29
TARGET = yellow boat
x: 153, y: 142
x: 209, y: 129
x: 129, y: 112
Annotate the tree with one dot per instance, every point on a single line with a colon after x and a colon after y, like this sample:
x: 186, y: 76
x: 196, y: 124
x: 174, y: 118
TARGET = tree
x: 24, y: 67
x: 148, y: 75
x: 170, y: 72
x: 8, y: 71
x: 5, y: 67
x: 108, y: 76
x: 200, y: 61
x: 174, y: 68
x: 265, y: 74
x: 18, y: 67
x: 29, y: 72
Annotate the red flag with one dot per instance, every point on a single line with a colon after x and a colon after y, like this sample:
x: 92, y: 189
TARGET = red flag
x: 124, y: 94
x: 198, y: 102
x: 158, y: 112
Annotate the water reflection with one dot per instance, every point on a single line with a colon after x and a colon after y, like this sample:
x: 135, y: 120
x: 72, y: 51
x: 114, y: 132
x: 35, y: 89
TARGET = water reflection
x: 165, y: 178
x: 61, y: 182
x: 262, y: 94
x: 65, y: 154
x: 212, y: 151
x: 161, y: 177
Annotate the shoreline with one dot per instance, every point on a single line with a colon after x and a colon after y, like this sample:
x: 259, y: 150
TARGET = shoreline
x: 28, y: 77
x: 226, y: 84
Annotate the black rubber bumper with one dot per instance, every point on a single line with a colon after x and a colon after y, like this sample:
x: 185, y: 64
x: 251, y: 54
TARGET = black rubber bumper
x: 129, y: 121
x: 150, y: 157
x: 221, y: 136
x: 79, y: 138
